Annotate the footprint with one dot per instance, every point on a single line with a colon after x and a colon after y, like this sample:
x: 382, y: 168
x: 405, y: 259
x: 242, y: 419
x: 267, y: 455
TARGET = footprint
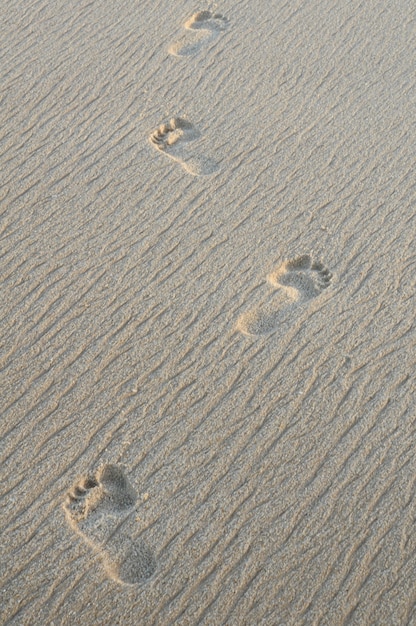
x: 100, y: 508
x: 207, y: 25
x: 297, y: 281
x: 173, y: 139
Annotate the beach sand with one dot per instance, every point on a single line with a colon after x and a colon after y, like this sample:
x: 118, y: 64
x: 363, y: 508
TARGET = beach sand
x: 207, y: 313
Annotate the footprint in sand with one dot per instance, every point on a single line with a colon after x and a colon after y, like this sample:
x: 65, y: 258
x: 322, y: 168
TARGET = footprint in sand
x: 205, y: 27
x: 100, y: 508
x: 297, y: 281
x: 173, y: 139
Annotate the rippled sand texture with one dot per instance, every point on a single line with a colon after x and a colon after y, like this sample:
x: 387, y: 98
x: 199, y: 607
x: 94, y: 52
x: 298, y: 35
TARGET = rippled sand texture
x: 207, y: 361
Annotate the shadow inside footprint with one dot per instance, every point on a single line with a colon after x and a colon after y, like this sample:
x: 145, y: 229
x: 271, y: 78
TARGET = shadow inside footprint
x: 206, y: 26
x: 100, y: 508
x: 173, y: 139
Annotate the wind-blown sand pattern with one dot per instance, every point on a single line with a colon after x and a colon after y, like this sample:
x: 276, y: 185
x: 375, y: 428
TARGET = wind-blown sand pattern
x: 275, y: 473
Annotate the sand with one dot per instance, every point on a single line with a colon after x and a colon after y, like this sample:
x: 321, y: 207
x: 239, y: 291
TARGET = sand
x: 207, y: 354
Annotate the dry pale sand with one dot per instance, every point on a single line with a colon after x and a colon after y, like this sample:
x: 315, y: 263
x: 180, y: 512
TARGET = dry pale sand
x: 207, y: 306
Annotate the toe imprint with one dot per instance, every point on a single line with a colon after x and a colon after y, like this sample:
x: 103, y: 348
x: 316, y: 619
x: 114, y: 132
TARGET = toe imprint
x: 304, y: 277
x: 170, y: 133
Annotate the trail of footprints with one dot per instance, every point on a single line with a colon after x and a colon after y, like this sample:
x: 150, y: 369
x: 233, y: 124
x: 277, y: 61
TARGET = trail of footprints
x: 296, y: 281
x: 100, y: 508
x: 173, y: 138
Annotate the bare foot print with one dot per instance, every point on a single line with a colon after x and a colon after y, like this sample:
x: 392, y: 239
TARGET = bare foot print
x: 205, y: 27
x: 173, y: 139
x: 100, y: 508
x: 297, y: 281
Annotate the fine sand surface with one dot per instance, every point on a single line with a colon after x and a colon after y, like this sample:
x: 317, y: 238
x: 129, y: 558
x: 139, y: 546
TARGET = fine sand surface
x: 208, y: 272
